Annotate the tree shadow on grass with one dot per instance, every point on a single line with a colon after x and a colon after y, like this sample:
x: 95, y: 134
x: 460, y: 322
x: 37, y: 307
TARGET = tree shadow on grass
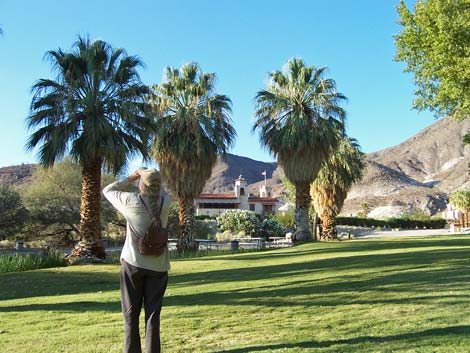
x: 52, y: 282
x: 359, y: 245
x: 64, y: 282
x: 406, y: 271
x: 431, y: 286
x: 423, y: 276
x: 406, y: 260
x: 412, y: 336
x: 78, y: 306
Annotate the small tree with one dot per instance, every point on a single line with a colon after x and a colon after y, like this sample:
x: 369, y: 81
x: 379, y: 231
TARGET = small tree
x: 53, y: 201
x: 13, y: 214
x: 434, y: 45
x: 365, y: 208
x: 461, y: 200
x: 329, y: 190
x: 466, y: 139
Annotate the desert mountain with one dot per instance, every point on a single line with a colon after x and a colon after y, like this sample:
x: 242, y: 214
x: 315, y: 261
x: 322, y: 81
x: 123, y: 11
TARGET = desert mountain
x: 434, y: 156
x: 16, y: 175
x: 231, y: 167
x: 417, y: 174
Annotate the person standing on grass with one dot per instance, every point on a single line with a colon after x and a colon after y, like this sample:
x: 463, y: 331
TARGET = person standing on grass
x: 143, y: 278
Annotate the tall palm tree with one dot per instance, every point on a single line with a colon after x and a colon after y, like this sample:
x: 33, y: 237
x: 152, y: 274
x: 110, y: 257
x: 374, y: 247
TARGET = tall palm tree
x: 337, y: 174
x: 297, y: 116
x: 193, y: 127
x: 94, y: 112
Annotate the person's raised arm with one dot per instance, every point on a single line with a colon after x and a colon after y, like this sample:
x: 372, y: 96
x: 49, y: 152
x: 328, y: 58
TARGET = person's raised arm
x: 119, y: 198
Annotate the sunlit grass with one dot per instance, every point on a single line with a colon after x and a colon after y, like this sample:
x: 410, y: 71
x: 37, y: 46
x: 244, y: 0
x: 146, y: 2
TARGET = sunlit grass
x: 405, y: 295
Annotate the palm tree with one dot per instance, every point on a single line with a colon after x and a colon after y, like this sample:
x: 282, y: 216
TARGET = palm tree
x: 461, y: 200
x: 337, y: 174
x: 94, y: 112
x: 297, y: 116
x: 193, y: 127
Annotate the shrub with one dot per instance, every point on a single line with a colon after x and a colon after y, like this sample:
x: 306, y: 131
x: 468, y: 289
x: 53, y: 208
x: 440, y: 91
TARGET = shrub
x: 26, y: 262
x: 286, y: 219
x: 203, y: 230
x: 402, y: 222
x: 173, y: 221
x: 223, y: 237
x: 203, y: 217
x: 271, y: 228
x: 238, y: 221
x: 12, y: 212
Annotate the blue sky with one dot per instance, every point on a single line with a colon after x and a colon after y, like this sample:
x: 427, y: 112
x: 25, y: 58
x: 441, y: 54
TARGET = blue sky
x: 241, y: 41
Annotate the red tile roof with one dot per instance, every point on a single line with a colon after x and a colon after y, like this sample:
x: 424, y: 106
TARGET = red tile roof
x: 218, y: 196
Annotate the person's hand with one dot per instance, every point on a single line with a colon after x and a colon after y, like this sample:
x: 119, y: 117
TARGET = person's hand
x: 134, y: 176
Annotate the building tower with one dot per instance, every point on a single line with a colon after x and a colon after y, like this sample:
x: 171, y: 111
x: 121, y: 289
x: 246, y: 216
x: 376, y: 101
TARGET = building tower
x: 241, y: 192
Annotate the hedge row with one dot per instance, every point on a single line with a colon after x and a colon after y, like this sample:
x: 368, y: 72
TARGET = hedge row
x: 406, y: 223
x: 202, y: 217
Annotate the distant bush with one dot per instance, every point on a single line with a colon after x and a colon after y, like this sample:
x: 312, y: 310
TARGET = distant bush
x: 203, y: 217
x: 403, y: 222
x: 25, y: 262
x: 239, y: 221
x: 223, y: 237
x: 271, y: 228
x: 286, y: 219
x: 203, y: 230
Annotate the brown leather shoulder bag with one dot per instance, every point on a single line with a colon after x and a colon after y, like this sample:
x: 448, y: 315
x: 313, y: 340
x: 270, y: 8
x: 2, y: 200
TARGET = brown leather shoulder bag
x: 155, y: 240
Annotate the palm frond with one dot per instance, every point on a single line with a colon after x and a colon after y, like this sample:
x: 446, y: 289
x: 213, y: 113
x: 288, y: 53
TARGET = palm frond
x: 192, y: 126
x: 338, y: 173
x: 297, y: 116
x: 96, y: 106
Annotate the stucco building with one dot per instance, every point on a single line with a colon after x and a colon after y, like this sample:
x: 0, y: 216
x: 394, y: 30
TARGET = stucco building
x: 215, y: 204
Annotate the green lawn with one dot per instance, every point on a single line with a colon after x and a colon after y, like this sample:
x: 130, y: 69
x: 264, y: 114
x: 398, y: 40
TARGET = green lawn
x: 394, y: 295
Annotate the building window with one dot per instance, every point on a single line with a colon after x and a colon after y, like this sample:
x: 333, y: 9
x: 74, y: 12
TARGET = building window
x: 242, y: 191
x: 252, y: 206
x: 268, y: 208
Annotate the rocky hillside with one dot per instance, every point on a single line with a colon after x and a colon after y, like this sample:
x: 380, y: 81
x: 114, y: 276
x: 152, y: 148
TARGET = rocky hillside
x: 417, y: 174
x: 16, y: 175
x: 230, y: 168
x: 434, y: 156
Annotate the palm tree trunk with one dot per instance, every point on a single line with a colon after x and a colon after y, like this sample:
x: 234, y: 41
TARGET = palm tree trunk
x: 302, y: 203
x: 90, y: 245
x: 186, y: 221
x: 329, y: 228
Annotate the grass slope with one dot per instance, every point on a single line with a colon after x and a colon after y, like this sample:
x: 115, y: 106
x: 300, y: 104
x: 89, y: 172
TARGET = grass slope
x: 406, y: 295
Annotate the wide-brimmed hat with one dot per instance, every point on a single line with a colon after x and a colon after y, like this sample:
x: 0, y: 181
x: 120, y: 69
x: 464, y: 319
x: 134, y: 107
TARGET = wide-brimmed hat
x: 150, y: 180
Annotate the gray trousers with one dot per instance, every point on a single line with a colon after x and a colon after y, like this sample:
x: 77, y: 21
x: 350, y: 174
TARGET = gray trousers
x: 140, y: 285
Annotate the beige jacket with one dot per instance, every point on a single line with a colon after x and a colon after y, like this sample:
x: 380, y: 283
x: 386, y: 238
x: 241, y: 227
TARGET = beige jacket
x: 129, y: 204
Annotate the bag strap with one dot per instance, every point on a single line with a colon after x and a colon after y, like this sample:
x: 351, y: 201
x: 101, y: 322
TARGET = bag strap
x: 148, y: 212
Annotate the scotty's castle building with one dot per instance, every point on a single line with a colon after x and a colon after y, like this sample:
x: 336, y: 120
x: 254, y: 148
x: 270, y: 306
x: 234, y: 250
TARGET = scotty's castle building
x: 215, y: 204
